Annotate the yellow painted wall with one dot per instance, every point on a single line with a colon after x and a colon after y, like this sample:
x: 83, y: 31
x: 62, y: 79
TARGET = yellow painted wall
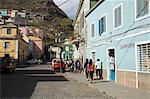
x: 23, y: 50
x: 11, y: 50
x: 18, y: 47
x: 4, y: 32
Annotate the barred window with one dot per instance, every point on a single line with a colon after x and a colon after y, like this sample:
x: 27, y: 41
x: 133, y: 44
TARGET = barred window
x: 144, y: 57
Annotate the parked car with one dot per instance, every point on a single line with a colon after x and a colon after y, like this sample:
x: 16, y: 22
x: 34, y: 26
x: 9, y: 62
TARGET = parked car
x: 58, y: 65
x: 7, y: 65
x: 32, y: 61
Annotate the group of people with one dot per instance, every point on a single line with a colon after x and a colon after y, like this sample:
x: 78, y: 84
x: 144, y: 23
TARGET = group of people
x: 89, y: 68
x: 75, y: 66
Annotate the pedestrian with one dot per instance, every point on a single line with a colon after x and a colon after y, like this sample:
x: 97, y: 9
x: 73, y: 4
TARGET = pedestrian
x: 98, y: 69
x: 86, y: 69
x: 77, y: 65
x: 91, y: 70
x: 112, y: 63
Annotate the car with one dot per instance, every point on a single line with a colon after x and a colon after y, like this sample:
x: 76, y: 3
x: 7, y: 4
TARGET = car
x: 58, y: 65
x: 7, y: 65
x: 32, y: 61
x: 40, y: 61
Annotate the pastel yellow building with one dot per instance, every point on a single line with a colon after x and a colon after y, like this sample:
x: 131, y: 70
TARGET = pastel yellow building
x: 12, y: 43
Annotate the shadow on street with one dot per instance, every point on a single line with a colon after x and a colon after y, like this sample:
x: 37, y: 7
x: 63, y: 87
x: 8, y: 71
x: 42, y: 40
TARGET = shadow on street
x: 22, y: 83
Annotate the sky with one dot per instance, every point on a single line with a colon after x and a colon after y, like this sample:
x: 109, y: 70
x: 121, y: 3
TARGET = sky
x: 69, y: 7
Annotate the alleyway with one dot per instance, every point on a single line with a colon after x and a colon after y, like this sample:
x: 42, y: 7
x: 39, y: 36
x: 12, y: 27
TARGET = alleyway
x: 39, y: 82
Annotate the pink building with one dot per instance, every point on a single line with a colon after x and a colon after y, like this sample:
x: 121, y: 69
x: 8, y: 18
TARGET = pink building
x: 36, y: 46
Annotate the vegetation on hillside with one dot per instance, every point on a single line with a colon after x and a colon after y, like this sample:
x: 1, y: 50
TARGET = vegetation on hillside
x: 57, y: 23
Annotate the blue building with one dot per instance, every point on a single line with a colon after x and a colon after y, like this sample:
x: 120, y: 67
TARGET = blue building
x: 118, y: 33
x: 3, y: 12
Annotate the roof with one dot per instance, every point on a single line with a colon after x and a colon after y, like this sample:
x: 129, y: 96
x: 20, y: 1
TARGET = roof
x: 8, y: 25
x: 25, y: 38
x: 20, y: 21
x: 94, y: 7
x: 34, y: 38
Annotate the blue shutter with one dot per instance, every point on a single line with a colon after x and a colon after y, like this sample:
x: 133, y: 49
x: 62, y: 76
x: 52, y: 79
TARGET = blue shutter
x: 100, y: 27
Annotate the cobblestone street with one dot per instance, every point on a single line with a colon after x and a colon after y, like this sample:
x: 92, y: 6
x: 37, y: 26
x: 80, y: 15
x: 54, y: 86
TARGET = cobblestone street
x: 66, y: 90
x: 39, y: 82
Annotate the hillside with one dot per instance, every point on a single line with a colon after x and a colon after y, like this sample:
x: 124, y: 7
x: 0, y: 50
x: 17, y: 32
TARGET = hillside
x: 43, y: 6
x: 56, y: 22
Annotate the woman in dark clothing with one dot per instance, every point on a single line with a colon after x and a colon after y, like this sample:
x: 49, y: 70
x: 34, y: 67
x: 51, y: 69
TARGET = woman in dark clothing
x: 86, y: 69
x: 91, y: 69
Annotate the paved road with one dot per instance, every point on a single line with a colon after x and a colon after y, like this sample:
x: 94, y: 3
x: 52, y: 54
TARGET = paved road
x: 40, y: 82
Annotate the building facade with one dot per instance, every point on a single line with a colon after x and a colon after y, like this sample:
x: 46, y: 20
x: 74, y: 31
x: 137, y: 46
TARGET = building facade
x: 35, y: 47
x: 118, y: 33
x: 12, y: 43
x: 67, y: 52
x: 79, y: 37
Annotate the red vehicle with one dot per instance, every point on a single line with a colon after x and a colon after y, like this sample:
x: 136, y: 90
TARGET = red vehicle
x: 7, y: 65
x: 57, y: 65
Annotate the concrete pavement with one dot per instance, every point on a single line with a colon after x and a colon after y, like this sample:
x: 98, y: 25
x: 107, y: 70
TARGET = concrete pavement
x: 111, y: 88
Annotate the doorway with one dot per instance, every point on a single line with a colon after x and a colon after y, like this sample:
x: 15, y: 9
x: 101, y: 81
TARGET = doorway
x: 111, y: 56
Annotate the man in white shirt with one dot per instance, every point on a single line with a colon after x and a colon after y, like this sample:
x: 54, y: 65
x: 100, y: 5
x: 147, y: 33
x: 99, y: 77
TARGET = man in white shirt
x: 98, y: 69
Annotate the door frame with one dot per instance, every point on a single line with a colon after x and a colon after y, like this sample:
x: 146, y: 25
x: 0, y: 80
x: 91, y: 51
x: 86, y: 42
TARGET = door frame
x: 108, y: 67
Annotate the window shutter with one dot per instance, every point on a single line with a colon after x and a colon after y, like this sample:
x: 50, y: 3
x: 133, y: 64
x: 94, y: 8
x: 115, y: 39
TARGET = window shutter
x: 100, y: 27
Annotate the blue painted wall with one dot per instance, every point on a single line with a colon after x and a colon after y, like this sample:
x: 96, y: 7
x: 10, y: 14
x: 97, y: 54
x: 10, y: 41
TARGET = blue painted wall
x: 125, y: 57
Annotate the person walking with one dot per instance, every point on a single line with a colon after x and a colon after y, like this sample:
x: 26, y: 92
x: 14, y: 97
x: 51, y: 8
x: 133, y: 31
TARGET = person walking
x: 98, y: 69
x: 86, y: 69
x: 91, y: 70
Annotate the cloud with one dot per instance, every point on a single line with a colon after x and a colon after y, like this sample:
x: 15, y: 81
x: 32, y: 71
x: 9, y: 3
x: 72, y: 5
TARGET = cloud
x: 69, y: 7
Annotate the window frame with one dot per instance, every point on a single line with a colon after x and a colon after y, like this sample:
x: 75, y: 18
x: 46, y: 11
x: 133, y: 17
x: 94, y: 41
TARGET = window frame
x: 104, y: 15
x: 93, y: 58
x: 136, y: 56
x: 115, y: 28
x: 94, y: 30
x: 135, y: 9
x: 8, y: 30
x: 5, y: 45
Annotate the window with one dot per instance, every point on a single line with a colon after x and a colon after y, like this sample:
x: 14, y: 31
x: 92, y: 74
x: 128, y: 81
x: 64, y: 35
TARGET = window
x: 7, y: 45
x: 93, y: 57
x: 67, y: 48
x: 118, y: 16
x: 8, y: 31
x: 144, y: 57
x: 102, y: 25
x: 93, y: 30
x: 142, y: 8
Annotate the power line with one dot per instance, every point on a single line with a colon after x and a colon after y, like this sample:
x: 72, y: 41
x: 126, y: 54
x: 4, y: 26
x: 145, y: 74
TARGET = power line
x: 63, y: 3
x: 133, y: 37
x: 132, y: 24
x: 130, y: 30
